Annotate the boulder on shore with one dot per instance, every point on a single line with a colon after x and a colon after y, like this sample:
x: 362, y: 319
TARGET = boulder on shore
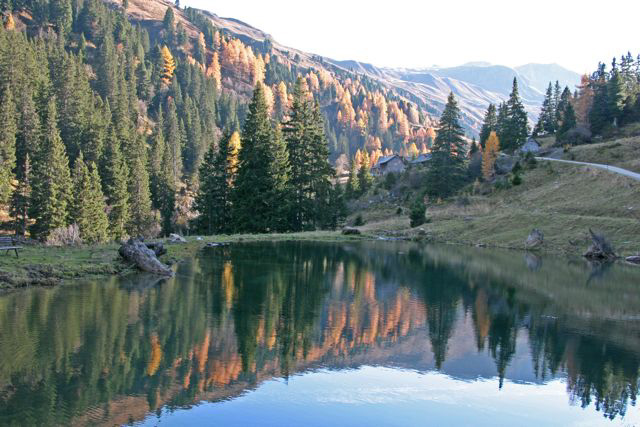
x: 157, y: 248
x: 600, y: 249
x: 176, y: 238
x: 350, y: 231
x: 535, y: 239
x: 635, y: 259
x: 145, y: 259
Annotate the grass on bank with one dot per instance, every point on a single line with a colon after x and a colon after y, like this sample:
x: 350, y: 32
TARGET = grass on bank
x: 48, y: 266
x: 562, y: 200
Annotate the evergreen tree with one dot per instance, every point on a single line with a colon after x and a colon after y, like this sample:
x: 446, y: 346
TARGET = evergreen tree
x: 28, y: 137
x: 353, y: 184
x: 115, y: 178
x: 89, y: 208
x: 51, y: 194
x: 599, y: 115
x: 61, y: 15
x: 364, y: 174
x: 568, y: 121
x: 565, y: 99
x: 141, y: 220
x: 503, y: 119
x: 490, y: 124
x: 217, y: 175
x: 546, y: 122
x: 262, y: 171
x: 615, y: 92
x: 21, y: 198
x: 516, y: 127
x: 310, y: 174
x: 8, y: 130
x: 447, y: 173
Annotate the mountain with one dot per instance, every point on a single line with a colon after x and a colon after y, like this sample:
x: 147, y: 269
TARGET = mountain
x: 539, y: 75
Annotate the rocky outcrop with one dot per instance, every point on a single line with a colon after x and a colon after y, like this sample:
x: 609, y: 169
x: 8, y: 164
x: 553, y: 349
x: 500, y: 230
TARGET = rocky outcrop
x: 137, y: 252
x: 635, y: 259
x: 535, y: 239
x: 600, y: 249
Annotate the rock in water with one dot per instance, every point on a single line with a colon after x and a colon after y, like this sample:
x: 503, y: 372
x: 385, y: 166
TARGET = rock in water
x: 600, y: 248
x: 535, y: 239
x: 350, y: 231
x: 144, y: 258
x: 176, y: 238
x: 633, y: 259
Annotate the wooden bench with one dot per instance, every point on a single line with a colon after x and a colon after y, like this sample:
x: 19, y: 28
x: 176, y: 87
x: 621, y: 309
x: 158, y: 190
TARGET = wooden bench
x: 7, y: 243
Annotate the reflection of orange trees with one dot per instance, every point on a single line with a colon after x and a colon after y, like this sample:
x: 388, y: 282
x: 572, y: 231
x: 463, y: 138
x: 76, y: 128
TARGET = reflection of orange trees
x: 156, y: 356
x: 227, y: 283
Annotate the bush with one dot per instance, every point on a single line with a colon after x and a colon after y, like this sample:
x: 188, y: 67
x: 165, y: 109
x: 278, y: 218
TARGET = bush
x: 576, y: 136
x: 417, y: 213
x: 530, y: 161
x: 65, y: 236
x: 502, y: 184
x: 399, y: 211
x: 516, y: 180
x: 358, y: 221
x: 389, y: 181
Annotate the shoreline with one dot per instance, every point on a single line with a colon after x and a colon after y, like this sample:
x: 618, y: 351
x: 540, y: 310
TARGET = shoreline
x: 45, y: 267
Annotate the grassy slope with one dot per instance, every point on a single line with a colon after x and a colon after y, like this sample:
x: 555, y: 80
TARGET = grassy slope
x: 564, y: 201
x: 48, y: 266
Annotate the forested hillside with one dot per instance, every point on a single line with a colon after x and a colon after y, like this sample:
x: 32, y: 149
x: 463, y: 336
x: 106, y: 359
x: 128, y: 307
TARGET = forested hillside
x: 108, y: 113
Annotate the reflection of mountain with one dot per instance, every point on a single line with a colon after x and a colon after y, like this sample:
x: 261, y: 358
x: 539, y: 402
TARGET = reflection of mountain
x: 235, y: 317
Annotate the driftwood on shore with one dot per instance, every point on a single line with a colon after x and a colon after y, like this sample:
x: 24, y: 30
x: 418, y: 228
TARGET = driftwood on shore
x: 600, y: 248
x: 137, y: 252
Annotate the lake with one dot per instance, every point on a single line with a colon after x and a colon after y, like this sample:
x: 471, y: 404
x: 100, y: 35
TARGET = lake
x: 315, y: 334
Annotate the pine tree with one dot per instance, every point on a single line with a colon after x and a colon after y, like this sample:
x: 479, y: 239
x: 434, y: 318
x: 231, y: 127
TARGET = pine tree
x: 115, y: 178
x: 262, y: 171
x: 489, y: 156
x: 21, y: 198
x: 565, y: 99
x: 568, y: 121
x: 89, y: 208
x: 61, y: 14
x: 546, y: 122
x: 169, y: 23
x: 615, y: 91
x: 51, y: 194
x: 310, y: 174
x: 516, y: 127
x: 490, y: 124
x: 447, y: 173
x: 174, y: 141
x: 364, y: 174
x: 599, y: 115
x: 217, y: 176
x: 141, y: 220
x: 8, y: 130
x: 353, y: 184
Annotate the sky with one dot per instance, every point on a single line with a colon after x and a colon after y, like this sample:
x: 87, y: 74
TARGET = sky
x: 417, y: 34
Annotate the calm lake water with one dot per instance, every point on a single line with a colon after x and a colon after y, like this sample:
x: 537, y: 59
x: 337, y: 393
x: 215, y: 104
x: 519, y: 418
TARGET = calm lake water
x: 316, y: 334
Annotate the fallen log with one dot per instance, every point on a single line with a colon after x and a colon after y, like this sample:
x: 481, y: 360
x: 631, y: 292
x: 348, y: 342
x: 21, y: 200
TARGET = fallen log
x: 145, y: 259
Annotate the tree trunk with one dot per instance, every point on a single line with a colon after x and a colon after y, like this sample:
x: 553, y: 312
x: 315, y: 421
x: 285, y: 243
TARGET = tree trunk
x: 144, y: 258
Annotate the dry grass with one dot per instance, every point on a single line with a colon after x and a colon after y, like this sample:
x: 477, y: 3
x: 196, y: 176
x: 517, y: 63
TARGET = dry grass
x: 564, y: 201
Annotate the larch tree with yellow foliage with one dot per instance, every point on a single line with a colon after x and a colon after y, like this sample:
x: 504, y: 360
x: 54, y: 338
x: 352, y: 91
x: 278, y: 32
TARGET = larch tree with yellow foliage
x: 214, y: 70
x: 168, y: 65
x: 489, y: 155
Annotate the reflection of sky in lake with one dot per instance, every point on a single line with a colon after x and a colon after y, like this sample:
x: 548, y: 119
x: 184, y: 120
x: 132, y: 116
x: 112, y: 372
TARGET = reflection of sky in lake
x: 379, y: 396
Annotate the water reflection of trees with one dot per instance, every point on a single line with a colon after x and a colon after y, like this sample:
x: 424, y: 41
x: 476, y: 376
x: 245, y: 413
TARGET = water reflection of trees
x: 236, y: 316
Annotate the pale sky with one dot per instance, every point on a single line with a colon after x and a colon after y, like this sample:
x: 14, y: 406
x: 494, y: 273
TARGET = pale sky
x: 413, y: 33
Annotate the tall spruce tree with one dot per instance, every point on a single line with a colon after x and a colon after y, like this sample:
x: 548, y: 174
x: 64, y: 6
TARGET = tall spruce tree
x: 516, y: 127
x: 217, y: 175
x: 21, y: 198
x: 447, y: 172
x: 115, y: 179
x: 353, y: 184
x: 89, y: 207
x: 490, y: 124
x: 364, y: 173
x: 8, y: 130
x: 310, y: 174
x: 51, y: 195
x: 568, y: 121
x: 141, y: 220
x: 257, y: 195
x: 546, y: 122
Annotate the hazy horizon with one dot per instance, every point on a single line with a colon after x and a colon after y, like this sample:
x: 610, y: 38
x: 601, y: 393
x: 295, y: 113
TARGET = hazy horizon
x: 374, y: 33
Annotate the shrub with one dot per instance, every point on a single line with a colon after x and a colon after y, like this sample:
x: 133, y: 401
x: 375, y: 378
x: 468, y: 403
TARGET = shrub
x: 530, y: 161
x: 516, y: 180
x: 65, y: 236
x: 577, y: 136
x: 389, y: 181
x: 399, y: 210
x: 502, y: 184
x: 358, y: 221
x: 417, y: 212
